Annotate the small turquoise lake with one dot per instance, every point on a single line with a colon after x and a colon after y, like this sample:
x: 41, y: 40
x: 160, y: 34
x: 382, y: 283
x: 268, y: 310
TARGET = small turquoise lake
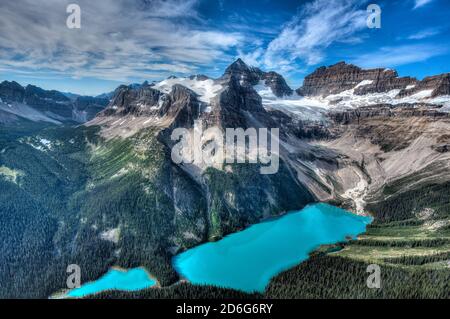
x: 130, y: 280
x: 248, y: 259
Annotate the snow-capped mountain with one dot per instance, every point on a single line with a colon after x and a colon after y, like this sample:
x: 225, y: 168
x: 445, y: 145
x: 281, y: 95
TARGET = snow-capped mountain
x: 330, y: 97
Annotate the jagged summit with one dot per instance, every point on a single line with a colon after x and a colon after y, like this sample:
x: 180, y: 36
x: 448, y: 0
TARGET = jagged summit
x: 248, y: 75
x: 237, y: 66
x: 241, y: 72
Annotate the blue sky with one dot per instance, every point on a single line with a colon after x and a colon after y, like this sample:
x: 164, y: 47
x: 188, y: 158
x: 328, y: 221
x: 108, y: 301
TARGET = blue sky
x: 125, y: 41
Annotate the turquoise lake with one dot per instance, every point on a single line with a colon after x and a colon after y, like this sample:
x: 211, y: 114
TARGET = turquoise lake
x: 248, y: 259
x: 131, y: 280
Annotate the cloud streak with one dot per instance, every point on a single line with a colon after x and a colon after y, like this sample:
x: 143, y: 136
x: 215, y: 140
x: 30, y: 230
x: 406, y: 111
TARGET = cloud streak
x: 400, y: 55
x: 424, y: 34
x: 421, y: 3
x: 306, y: 37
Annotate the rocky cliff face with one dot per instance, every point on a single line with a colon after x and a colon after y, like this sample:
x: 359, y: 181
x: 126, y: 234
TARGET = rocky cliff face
x: 385, y: 84
x: 340, y: 77
x: 236, y: 99
x: 277, y: 83
x: 182, y: 105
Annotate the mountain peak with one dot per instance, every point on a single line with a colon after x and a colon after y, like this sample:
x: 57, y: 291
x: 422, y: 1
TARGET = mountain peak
x: 237, y: 66
x: 240, y: 62
x: 247, y: 75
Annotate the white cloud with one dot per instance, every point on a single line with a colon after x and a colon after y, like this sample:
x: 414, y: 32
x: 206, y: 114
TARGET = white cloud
x: 318, y: 25
x: 118, y: 40
x: 420, y: 3
x: 401, y: 55
x: 252, y: 58
x: 424, y: 34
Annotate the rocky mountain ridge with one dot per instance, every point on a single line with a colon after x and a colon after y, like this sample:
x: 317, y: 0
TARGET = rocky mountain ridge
x: 342, y: 76
x: 51, y: 104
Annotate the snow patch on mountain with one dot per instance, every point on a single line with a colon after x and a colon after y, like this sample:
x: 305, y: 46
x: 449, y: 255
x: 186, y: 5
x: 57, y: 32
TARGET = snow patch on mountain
x: 306, y: 108
x: 206, y: 89
x: 314, y: 107
x: 46, y: 143
x: 362, y: 83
